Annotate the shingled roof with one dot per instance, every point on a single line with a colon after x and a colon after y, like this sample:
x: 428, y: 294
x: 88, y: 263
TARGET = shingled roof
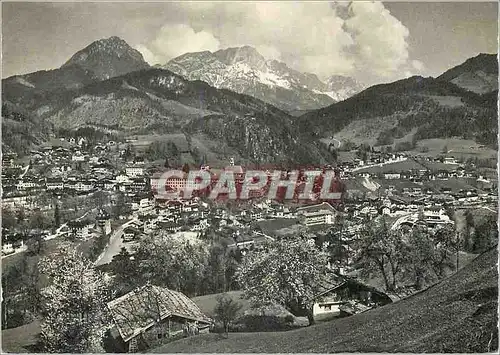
x: 138, y: 310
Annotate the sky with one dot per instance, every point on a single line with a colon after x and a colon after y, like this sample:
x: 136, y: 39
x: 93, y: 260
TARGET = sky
x: 370, y: 41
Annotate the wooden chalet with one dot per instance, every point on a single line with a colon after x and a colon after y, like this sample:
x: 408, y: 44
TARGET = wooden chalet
x: 152, y: 315
x: 342, y: 296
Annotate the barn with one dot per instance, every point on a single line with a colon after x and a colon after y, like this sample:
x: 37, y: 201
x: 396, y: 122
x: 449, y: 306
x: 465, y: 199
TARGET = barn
x: 152, y: 315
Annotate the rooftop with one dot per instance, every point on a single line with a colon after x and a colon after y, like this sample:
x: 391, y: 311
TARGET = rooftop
x: 138, y: 310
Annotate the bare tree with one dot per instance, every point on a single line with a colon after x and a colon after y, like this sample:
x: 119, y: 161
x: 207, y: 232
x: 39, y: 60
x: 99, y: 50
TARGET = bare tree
x: 226, y: 311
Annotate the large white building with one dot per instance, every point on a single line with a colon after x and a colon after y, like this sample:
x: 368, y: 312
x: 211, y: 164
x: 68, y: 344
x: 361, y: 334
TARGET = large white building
x: 322, y: 213
x: 134, y: 171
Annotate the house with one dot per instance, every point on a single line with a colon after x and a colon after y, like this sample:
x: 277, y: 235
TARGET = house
x: 54, y: 184
x: 26, y: 184
x: 450, y: 160
x: 7, y: 248
x: 83, y: 186
x: 146, y: 206
x: 123, y: 179
x: 130, y: 234
x: 390, y: 176
x: 109, y: 185
x: 343, y: 296
x: 78, y: 157
x: 152, y: 315
x: 80, y: 229
x: 322, y: 213
x: 134, y: 171
x: 138, y: 184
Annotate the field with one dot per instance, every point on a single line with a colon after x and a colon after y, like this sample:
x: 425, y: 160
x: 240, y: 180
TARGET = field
x: 207, y: 303
x: 458, y: 148
x: 142, y: 142
x: 392, y: 167
x: 21, y: 339
x: 367, y: 130
x: 457, y: 315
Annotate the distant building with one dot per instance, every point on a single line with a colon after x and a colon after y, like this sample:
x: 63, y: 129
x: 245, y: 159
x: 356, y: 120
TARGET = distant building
x: 175, y: 183
x: 134, y: 171
x: 103, y: 221
x: 323, y: 213
x: 390, y: 176
x: 54, y: 184
x: 344, y: 296
x: 81, y: 229
x: 78, y: 156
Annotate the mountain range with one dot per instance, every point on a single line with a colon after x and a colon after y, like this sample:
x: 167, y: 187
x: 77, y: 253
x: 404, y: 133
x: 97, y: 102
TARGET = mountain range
x: 246, y: 71
x: 233, y: 102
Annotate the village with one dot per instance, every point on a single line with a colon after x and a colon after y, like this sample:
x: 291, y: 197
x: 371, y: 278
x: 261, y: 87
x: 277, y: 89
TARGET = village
x: 106, y: 194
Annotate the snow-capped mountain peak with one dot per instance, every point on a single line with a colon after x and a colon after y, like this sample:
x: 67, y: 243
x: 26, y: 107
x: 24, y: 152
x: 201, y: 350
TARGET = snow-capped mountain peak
x: 245, y: 70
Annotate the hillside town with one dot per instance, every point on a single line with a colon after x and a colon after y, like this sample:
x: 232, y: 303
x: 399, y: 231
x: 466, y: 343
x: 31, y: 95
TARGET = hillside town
x: 70, y: 170
x: 257, y: 177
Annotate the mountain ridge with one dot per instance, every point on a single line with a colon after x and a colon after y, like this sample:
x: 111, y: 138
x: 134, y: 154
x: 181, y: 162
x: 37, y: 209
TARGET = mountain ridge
x: 434, y: 107
x: 245, y: 70
x: 157, y: 100
x: 478, y: 74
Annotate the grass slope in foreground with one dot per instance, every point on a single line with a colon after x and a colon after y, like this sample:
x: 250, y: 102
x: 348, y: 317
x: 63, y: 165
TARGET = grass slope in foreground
x: 457, y: 315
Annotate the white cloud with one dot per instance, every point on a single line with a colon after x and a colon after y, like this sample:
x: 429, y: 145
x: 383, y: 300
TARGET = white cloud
x: 174, y: 40
x: 361, y: 39
x: 380, y: 47
x: 418, y: 65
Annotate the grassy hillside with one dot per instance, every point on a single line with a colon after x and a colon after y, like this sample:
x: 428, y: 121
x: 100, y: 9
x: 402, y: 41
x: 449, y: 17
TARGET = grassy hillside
x: 207, y: 303
x: 428, y: 107
x: 457, y: 315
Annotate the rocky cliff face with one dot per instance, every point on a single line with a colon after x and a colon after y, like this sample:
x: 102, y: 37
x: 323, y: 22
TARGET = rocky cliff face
x: 246, y: 71
x: 107, y: 58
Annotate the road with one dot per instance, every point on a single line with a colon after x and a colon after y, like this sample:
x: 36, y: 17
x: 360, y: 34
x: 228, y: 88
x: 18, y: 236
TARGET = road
x: 339, y: 143
x: 16, y: 251
x: 24, y: 172
x: 114, y: 246
x: 380, y: 164
x: 410, y: 217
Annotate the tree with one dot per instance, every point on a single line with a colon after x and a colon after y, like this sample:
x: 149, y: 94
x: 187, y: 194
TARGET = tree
x: 226, y: 311
x: 469, y: 230
x: 335, y: 244
x: 445, y: 242
x: 8, y: 218
x: 36, y: 244
x: 57, y: 216
x: 173, y: 263
x: 485, y: 235
x: 125, y: 270
x: 100, y: 199
x: 38, y: 221
x: 287, y: 272
x: 119, y: 207
x: 20, y: 215
x: 75, y: 315
x: 382, y: 250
